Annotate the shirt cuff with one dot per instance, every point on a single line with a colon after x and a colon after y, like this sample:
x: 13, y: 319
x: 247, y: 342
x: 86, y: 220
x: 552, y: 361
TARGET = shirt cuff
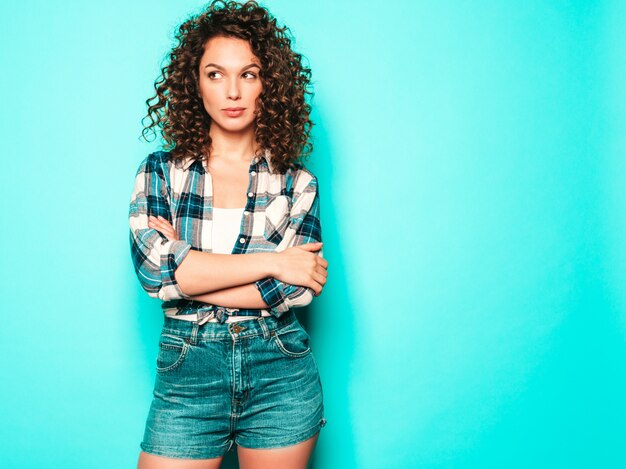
x: 273, y: 294
x: 174, y: 252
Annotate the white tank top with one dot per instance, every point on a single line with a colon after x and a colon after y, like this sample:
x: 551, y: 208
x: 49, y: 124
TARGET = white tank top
x: 226, y: 224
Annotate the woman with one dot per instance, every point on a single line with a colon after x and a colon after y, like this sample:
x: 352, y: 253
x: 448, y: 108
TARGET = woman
x: 225, y: 230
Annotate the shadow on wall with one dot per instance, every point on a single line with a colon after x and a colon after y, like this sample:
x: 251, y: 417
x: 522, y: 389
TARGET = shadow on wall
x: 328, y: 319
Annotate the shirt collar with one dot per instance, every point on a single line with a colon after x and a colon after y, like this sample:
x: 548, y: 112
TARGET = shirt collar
x: 266, y: 155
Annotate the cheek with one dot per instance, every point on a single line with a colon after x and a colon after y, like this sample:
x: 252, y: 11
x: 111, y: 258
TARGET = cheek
x: 209, y: 99
x: 209, y: 95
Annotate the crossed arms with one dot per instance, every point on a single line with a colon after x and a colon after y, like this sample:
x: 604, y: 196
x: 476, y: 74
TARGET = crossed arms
x: 169, y: 269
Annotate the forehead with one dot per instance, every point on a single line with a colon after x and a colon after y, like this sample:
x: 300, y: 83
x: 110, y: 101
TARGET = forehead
x: 228, y: 52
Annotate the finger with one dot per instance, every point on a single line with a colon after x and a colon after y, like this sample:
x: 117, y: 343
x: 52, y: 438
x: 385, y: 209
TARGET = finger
x: 160, y: 229
x: 170, y: 232
x: 164, y: 221
x: 156, y: 225
x: 310, y: 246
x: 164, y: 228
x: 319, y: 278
x: 321, y: 270
x: 154, y: 220
x: 161, y: 221
x: 158, y: 219
x: 316, y: 287
x: 323, y: 262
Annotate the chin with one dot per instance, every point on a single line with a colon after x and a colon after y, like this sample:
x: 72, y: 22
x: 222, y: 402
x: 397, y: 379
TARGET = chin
x: 234, y: 127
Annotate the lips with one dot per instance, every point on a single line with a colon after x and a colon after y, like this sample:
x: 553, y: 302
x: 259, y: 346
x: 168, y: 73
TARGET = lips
x: 234, y: 111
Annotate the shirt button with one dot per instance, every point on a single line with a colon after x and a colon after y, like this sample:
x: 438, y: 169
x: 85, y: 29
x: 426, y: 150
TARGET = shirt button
x: 242, y: 240
x: 250, y: 194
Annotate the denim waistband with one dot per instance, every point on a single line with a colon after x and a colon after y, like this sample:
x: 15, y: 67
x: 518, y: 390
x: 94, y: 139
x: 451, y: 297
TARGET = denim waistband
x: 192, y: 331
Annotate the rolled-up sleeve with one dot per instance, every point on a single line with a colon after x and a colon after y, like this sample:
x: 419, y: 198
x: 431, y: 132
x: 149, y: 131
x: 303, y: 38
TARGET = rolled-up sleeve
x: 155, y: 258
x: 305, y: 227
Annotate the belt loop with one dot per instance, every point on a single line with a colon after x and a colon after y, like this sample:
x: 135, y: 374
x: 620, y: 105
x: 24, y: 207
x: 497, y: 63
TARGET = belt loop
x: 266, y: 333
x: 194, y: 334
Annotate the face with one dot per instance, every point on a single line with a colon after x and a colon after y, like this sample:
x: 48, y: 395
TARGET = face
x: 229, y: 83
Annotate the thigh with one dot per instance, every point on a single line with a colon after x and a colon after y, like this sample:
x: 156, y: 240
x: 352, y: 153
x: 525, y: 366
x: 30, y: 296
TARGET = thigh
x: 189, y: 417
x: 287, y: 457
x: 285, y: 402
x: 152, y: 461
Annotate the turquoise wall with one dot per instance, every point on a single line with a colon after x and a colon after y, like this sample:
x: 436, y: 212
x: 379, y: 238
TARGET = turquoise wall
x: 471, y: 166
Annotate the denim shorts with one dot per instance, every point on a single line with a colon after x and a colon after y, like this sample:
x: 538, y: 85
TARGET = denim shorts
x: 253, y: 383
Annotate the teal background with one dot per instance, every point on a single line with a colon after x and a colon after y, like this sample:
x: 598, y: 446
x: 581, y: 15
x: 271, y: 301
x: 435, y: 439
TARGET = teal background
x: 471, y: 166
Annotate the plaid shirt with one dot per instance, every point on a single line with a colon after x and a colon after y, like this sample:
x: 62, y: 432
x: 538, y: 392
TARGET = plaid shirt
x: 282, y: 210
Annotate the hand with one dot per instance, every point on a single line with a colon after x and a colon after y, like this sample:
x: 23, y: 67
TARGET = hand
x: 163, y: 226
x: 300, y: 265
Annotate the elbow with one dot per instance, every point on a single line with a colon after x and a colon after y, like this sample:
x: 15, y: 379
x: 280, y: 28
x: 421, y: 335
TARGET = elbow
x: 169, y: 288
x: 155, y: 268
x: 154, y: 286
x: 164, y: 292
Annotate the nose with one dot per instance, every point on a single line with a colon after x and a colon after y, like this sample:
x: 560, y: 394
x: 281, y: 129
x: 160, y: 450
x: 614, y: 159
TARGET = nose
x: 233, y: 89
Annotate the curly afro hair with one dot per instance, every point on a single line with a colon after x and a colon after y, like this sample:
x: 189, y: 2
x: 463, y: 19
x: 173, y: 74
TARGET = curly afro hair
x: 282, y: 124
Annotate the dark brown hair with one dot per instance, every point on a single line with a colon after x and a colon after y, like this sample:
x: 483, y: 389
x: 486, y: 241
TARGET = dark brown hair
x: 282, y: 124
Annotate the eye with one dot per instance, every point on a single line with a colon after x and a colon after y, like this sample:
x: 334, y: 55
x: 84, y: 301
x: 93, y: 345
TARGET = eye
x: 252, y: 75
x: 212, y: 74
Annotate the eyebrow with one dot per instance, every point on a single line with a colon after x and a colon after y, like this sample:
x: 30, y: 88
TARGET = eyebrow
x: 222, y: 68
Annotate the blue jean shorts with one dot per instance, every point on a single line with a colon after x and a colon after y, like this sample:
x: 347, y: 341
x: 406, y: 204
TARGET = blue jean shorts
x: 253, y: 383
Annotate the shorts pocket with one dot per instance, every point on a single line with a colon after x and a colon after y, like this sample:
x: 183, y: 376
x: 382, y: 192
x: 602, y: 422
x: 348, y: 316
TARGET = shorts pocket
x: 292, y: 341
x: 172, y: 352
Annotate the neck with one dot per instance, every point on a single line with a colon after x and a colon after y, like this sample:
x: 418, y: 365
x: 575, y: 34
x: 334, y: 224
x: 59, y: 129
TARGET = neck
x: 232, y: 146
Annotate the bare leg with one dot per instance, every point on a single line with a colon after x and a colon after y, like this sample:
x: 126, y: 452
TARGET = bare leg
x: 152, y: 461
x: 289, y: 457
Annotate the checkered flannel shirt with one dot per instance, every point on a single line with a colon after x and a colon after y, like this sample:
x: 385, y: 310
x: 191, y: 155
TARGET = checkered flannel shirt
x: 282, y: 210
